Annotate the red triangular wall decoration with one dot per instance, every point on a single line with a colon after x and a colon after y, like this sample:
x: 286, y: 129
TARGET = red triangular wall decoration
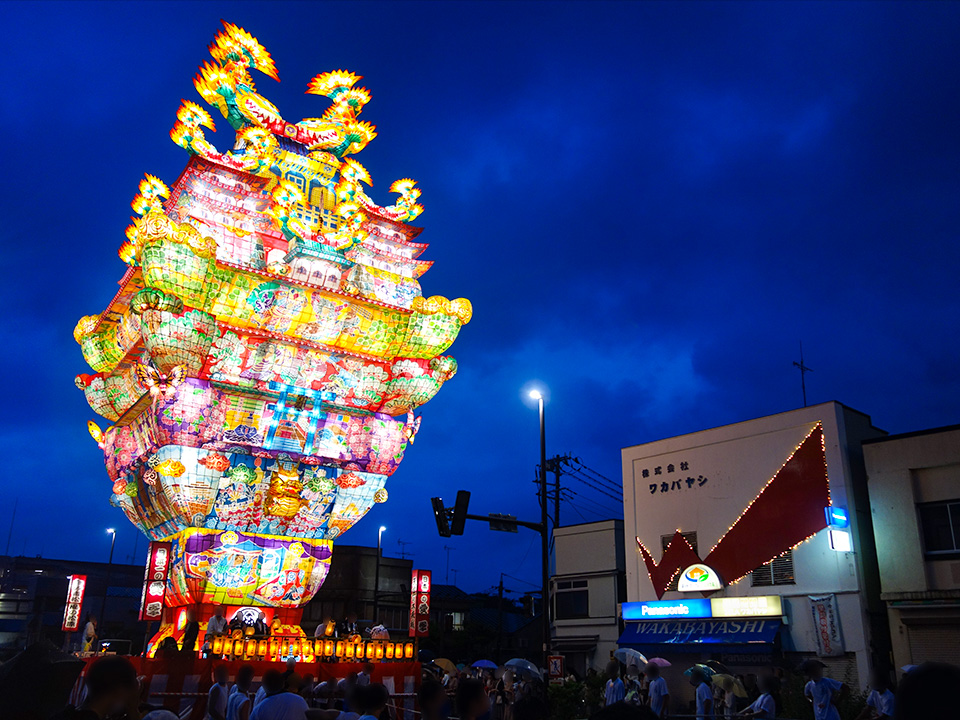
x: 785, y: 513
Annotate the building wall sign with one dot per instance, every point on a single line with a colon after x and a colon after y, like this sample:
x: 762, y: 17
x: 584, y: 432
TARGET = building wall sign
x: 826, y: 624
x: 420, y: 603
x: 699, y: 578
x: 76, y: 586
x: 751, y: 606
x: 155, y: 581
x: 684, y: 632
x: 699, y: 608
x: 754, y: 606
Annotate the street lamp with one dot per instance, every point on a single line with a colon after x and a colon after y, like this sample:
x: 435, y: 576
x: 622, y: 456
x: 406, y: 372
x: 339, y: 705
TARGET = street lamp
x: 544, y: 555
x: 103, y: 604
x: 376, y: 581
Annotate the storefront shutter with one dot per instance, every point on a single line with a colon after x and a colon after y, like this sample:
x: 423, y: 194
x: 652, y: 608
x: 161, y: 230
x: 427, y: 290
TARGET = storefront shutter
x: 934, y: 643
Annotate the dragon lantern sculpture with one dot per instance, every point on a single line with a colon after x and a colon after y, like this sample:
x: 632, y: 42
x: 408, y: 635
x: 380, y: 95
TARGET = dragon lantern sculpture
x: 268, y: 333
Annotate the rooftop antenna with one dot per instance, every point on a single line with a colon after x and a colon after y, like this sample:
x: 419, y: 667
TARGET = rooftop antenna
x: 403, y: 548
x: 803, y: 373
x: 454, y: 571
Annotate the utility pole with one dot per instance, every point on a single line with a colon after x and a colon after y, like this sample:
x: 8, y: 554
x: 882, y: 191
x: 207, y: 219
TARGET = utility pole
x: 500, y: 618
x: 803, y: 372
x: 554, y: 466
x: 544, y: 539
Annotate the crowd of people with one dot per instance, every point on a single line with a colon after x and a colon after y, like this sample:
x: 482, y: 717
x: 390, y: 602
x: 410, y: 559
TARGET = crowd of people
x: 483, y: 695
x: 927, y: 692
x: 112, y: 691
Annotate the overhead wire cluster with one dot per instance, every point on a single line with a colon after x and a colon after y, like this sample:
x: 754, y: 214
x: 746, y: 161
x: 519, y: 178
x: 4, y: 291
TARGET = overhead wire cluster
x: 599, y: 496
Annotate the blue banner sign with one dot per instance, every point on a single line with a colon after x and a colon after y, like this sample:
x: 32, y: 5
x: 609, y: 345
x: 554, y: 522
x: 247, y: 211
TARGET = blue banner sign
x: 700, y: 631
x: 667, y: 609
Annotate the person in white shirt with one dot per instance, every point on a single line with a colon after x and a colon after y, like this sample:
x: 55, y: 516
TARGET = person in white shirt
x: 365, y: 675
x: 89, y: 634
x: 238, y: 704
x: 880, y: 700
x: 698, y: 678
x: 278, y: 703
x: 328, y: 628
x: 658, y: 697
x: 217, y: 697
x: 216, y: 625
x: 822, y: 691
x: 765, y: 706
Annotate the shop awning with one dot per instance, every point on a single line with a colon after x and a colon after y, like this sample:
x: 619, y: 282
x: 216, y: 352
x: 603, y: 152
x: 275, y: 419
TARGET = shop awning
x: 700, y: 633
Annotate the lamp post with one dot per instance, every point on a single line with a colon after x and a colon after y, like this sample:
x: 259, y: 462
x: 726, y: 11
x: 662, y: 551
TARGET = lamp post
x: 376, y: 581
x: 103, y: 604
x: 544, y: 540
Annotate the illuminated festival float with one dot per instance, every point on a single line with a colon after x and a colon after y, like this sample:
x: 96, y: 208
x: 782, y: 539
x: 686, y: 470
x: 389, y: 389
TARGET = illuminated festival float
x: 263, y: 358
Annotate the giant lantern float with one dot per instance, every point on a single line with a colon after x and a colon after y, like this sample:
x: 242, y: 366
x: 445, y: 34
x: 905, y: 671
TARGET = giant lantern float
x: 269, y: 343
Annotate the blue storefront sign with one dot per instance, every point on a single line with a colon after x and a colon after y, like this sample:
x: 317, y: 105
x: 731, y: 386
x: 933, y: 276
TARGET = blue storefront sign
x: 699, y: 632
x: 667, y: 609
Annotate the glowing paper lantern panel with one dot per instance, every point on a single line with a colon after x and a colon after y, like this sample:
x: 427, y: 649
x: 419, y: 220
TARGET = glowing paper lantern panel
x: 263, y: 358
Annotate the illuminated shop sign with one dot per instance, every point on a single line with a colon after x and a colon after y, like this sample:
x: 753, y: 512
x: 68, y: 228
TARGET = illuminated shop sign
x: 699, y: 578
x: 655, y: 610
x: 701, y: 608
x: 757, y: 606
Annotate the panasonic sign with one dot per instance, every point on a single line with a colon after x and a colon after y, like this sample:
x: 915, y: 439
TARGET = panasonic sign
x: 698, y: 608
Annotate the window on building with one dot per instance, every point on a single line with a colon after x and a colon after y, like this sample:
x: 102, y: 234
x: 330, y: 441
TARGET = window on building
x: 778, y: 571
x: 940, y: 525
x: 691, y: 538
x: 572, y: 600
x: 453, y: 621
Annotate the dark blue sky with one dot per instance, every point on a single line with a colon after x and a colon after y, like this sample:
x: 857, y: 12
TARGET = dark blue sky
x: 650, y: 205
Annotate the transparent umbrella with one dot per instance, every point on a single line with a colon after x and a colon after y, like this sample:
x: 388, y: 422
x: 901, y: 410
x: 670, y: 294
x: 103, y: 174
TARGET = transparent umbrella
x: 523, y: 667
x: 629, y: 656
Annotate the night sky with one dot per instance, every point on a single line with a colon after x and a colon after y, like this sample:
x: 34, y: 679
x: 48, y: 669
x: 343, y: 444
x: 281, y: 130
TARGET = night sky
x: 650, y: 206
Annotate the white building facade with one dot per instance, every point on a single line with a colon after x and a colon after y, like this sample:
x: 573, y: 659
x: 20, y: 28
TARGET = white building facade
x: 586, y: 592
x: 774, y: 513
x: 914, y: 483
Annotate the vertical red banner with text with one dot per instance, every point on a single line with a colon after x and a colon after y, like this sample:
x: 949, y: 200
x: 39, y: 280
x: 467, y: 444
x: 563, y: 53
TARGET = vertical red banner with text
x: 420, y: 603
x: 76, y: 586
x: 155, y: 581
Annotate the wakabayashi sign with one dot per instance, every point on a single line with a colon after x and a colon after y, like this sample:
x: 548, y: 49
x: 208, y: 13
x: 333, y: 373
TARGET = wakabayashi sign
x: 700, y: 631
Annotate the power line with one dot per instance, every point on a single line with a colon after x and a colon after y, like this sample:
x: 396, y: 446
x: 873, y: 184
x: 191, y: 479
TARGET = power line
x: 598, y: 508
x: 527, y: 582
x: 577, y: 511
x: 599, y: 476
x: 595, y: 486
x: 600, y: 503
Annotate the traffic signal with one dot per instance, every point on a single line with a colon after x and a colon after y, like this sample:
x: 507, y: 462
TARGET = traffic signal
x: 460, y: 512
x: 440, y: 513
